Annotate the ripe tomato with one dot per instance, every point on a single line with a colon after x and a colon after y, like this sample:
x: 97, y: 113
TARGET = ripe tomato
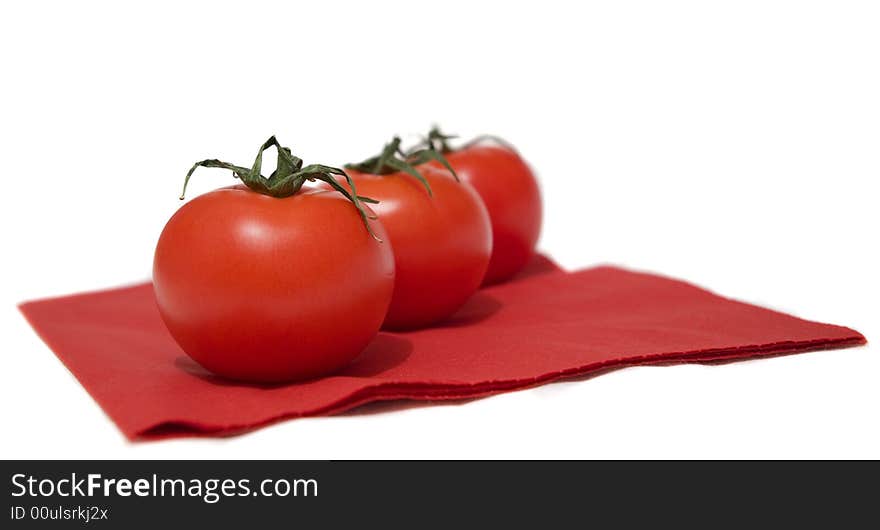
x: 442, y: 241
x: 268, y: 289
x: 511, y: 195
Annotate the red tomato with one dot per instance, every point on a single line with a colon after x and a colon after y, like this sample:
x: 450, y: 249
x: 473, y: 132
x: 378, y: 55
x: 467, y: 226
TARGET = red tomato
x: 441, y: 243
x: 269, y: 289
x: 511, y: 195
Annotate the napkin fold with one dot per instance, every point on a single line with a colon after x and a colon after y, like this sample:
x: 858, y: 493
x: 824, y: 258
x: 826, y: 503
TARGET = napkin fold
x: 543, y: 326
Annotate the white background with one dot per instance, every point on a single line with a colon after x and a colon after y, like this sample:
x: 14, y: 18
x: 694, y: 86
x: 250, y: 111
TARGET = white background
x: 732, y: 144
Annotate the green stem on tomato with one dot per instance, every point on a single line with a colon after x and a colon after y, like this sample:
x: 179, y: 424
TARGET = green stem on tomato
x: 438, y: 141
x: 393, y: 159
x: 288, y: 178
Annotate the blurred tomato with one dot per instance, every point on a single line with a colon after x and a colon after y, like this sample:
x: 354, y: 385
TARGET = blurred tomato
x: 511, y: 195
x: 442, y: 241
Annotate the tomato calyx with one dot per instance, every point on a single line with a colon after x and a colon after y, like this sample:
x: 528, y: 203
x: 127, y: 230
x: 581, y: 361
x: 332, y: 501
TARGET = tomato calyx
x: 439, y: 142
x: 288, y: 178
x: 393, y: 159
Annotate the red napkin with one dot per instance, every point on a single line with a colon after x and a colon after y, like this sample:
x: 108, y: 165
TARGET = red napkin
x: 544, y: 326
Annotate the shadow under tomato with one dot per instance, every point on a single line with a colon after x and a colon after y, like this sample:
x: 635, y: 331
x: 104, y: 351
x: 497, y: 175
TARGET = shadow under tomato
x: 385, y: 352
x: 480, y: 307
x: 537, y: 265
x: 483, y: 305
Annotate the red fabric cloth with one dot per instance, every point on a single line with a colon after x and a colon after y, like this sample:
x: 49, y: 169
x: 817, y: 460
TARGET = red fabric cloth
x: 544, y: 326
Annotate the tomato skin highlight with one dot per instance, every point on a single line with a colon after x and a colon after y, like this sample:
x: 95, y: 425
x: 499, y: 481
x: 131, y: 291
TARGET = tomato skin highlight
x: 512, y: 197
x: 264, y: 289
x: 442, y: 243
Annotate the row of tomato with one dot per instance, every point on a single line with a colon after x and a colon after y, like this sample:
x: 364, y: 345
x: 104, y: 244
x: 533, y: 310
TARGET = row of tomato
x: 276, y: 280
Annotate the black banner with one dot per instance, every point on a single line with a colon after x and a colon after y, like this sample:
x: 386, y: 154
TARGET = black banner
x: 144, y: 494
